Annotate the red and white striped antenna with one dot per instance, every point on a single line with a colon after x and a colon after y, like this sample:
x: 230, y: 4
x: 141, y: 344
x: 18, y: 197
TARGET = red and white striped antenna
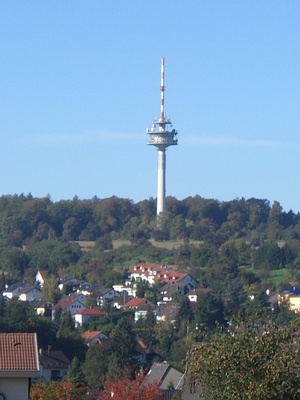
x: 162, y: 91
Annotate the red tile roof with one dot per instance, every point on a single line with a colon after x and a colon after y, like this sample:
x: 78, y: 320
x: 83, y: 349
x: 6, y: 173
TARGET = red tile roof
x: 90, y: 335
x: 43, y: 273
x: 146, y: 267
x: 65, y: 303
x: 135, y: 302
x: 27, y: 289
x: 163, y: 272
x: 18, y: 351
x: 90, y: 311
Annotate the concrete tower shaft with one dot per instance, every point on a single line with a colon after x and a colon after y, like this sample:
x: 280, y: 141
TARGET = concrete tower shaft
x: 161, y: 137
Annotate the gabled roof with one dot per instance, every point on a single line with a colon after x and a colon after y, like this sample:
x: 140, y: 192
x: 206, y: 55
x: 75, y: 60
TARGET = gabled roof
x: 169, y: 312
x: 76, y: 295
x: 103, y: 291
x: 43, y: 273
x: 291, y: 292
x: 53, y: 359
x: 18, y: 352
x: 173, y: 287
x: 164, y: 375
x: 90, y: 311
x: 28, y: 289
x: 135, y: 302
x: 123, y: 299
x: 61, y: 274
x: 147, y: 267
x: 157, y: 373
x: 16, y: 286
x: 140, y: 346
x: 38, y: 303
x: 65, y: 303
x: 200, y: 290
x: 173, y: 276
x: 90, y: 335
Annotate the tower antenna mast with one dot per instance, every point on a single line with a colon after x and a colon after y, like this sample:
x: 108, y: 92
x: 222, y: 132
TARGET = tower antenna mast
x: 161, y: 137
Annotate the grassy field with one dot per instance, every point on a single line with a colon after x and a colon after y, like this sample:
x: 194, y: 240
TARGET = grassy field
x: 276, y: 276
x: 169, y: 245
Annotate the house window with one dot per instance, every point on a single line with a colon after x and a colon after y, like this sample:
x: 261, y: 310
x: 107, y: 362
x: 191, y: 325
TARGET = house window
x: 55, y: 375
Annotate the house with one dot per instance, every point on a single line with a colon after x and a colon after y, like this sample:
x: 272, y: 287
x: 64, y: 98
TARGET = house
x: 177, y: 277
x: 168, y: 313
x: 104, y: 343
x: 77, y: 296
x: 106, y: 295
x: 13, y: 290
x: 154, y: 273
x: 119, y: 302
x: 42, y: 307
x: 68, y: 282
x: 193, y: 295
x: 147, y: 272
x: 29, y: 293
x: 68, y: 304
x: 53, y: 365
x: 128, y: 288
x: 84, y: 315
x: 166, y: 377
x: 91, y: 337
x: 292, y: 297
x: 87, y: 288
x: 40, y: 277
x: 141, y: 351
x: 136, y: 303
x: 140, y: 307
x: 171, y: 289
x: 18, y: 364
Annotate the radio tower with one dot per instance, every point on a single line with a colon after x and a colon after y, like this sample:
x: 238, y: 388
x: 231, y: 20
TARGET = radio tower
x: 162, y: 138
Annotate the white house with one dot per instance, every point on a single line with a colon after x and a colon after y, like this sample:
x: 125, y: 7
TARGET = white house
x: 14, y: 289
x: 84, y: 315
x: 147, y: 272
x: 40, y: 277
x: 68, y: 304
x: 29, y: 293
x: 130, y: 289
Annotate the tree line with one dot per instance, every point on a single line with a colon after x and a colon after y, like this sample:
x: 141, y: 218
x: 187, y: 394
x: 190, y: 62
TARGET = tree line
x: 24, y: 218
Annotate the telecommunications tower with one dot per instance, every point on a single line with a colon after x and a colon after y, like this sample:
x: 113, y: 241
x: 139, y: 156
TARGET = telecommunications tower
x: 162, y: 138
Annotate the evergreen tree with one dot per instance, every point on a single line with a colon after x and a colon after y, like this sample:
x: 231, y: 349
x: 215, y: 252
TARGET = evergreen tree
x: 123, y: 343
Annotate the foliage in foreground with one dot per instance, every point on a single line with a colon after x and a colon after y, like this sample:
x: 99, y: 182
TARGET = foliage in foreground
x: 67, y: 390
x: 126, y: 389
x: 251, y: 360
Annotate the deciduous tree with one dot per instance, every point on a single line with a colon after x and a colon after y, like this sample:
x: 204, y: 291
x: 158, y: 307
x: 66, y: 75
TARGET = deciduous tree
x: 253, y: 360
x: 67, y: 390
x: 126, y: 389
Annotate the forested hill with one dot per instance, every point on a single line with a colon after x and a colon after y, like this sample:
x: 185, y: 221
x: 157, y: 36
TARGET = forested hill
x: 24, y: 218
x: 38, y: 233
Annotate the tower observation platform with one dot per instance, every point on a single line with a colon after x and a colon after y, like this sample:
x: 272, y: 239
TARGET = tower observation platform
x: 162, y: 137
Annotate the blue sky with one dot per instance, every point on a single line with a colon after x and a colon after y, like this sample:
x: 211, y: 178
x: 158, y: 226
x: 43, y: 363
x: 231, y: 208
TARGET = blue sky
x: 79, y: 84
